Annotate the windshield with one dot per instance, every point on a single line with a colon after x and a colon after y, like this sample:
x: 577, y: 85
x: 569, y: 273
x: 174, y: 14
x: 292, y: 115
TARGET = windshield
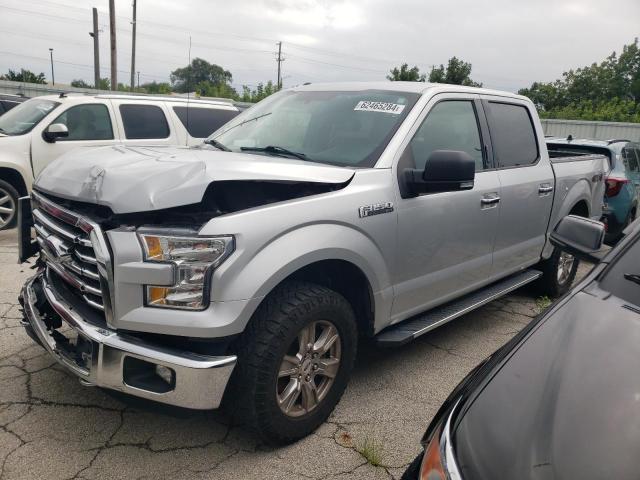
x: 348, y: 129
x: 24, y: 117
x: 616, y: 279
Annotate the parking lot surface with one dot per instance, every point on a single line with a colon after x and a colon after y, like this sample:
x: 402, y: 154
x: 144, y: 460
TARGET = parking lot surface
x: 51, y: 427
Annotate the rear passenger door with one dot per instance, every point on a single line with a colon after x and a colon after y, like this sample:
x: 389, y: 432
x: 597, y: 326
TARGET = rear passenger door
x: 144, y: 123
x: 526, y: 184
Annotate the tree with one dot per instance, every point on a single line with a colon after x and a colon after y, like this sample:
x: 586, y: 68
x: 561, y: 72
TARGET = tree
x: 80, y: 84
x: 199, y: 72
x: 609, y: 90
x: 405, y: 74
x: 457, y: 72
x: 260, y: 92
x: 26, y: 76
x: 156, y: 87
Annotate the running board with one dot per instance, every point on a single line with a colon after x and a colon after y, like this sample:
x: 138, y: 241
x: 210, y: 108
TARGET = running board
x: 412, y: 328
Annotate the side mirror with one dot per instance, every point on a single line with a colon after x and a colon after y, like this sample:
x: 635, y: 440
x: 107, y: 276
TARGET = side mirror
x: 445, y: 171
x: 579, y: 236
x: 55, y: 131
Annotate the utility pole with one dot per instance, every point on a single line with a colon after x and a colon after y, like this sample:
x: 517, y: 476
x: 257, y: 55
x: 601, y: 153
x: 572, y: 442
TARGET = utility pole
x: 279, y: 60
x: 53, y: 77
x: 133, y: 47
x: 112, y: 31
x: 138, y: 79
x: 96, y: 50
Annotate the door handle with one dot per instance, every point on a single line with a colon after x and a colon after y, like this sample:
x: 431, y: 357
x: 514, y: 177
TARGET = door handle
x: 545, y: 188
x: 490, y: 199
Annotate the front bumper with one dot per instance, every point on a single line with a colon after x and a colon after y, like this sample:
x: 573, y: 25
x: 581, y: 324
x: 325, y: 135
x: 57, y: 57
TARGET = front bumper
x: 106, y: 358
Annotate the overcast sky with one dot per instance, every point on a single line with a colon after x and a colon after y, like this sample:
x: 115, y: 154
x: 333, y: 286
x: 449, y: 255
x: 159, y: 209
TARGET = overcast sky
x: 510, y: 43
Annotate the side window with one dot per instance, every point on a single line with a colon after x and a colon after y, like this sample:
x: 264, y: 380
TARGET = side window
x: 8, y: 104
x: 450, y: 125
x: 86, y: 122
x: 512, y: 134
x: 202, y: 122
x: 144, y: 122
x: 629, y: 158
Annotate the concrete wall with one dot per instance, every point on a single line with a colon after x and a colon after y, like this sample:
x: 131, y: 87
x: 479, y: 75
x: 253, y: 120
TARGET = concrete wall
x: 594, y: 130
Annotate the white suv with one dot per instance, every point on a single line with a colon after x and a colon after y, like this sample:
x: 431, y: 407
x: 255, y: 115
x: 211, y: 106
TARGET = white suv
x: 39, y: 130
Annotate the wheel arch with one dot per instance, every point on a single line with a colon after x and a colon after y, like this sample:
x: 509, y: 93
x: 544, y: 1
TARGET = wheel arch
x: 15, y: 178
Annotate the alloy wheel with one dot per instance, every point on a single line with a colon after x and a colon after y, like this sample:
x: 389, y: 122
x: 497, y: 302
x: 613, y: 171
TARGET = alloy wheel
x: 308, y: 368
x: 7, y: 208
x: 565, y: 266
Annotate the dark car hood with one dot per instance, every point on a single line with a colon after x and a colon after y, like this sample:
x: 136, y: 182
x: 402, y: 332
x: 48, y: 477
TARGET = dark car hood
x: 140, y: 179
x: 567, y: 403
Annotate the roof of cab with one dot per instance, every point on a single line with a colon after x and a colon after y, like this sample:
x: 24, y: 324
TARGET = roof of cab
x: 412, y: 87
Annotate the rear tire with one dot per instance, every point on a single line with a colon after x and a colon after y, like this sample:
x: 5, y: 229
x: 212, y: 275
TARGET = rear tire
x: 285, y: 383
x: 8, y: 205
x: 558, y: 273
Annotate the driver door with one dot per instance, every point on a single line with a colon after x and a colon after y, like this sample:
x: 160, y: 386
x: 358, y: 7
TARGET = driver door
x: 89, y: 125
x: 445, y: 240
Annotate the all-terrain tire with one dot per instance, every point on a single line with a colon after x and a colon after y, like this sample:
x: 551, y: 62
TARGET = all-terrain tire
x: 261, y: 349
x: 552, y: 283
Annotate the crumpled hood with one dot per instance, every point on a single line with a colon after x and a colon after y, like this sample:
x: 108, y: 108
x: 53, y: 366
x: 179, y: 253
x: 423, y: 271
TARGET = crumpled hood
x: 138, y: 179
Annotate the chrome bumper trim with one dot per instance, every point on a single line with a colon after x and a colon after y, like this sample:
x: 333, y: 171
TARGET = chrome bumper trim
x: 200, y: 381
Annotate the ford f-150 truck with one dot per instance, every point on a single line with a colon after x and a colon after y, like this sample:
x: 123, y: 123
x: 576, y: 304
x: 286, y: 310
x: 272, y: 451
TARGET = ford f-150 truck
x: 249, y: 268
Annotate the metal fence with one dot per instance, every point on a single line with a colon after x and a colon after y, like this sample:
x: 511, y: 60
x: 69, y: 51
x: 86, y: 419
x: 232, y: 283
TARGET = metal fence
x: 594, y: 130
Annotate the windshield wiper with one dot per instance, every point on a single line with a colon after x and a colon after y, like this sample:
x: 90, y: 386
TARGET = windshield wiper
x: 217, y: 144
x: 275, y: 150
x: 632, y: 277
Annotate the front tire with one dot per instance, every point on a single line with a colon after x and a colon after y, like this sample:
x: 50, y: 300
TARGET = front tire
x: 8, y: 205
x: 558, y: 273
x: 294, y: 361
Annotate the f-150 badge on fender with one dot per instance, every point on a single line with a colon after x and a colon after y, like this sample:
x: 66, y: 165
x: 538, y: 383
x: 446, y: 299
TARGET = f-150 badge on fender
x: 375, y: 209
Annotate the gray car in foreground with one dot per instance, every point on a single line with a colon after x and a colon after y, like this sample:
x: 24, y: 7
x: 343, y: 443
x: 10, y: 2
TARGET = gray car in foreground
x: 247, y: 269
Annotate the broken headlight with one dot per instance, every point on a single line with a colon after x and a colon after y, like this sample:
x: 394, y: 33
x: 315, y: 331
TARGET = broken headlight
x: 194, y: 259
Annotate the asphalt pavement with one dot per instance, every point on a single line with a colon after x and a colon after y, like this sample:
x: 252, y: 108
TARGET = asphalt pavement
x: 52, y: 427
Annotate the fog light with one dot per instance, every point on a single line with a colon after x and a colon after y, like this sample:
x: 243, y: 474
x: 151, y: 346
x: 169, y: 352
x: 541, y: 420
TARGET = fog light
x: 166, y: 374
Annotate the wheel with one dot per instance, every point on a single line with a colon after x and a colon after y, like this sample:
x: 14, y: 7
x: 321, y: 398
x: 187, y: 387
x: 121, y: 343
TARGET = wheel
x: 558, y: 273
x: 294, y: 361
x: 413, y: 470
x: 8, y: 205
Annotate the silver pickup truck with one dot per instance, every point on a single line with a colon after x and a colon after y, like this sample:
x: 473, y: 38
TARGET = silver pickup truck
x: 250, y: 267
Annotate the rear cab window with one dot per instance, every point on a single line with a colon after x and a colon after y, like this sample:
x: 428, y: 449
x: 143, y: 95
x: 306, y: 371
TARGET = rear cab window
x: 513, y: 134
x: 200, y: 122
x: 144, y: 122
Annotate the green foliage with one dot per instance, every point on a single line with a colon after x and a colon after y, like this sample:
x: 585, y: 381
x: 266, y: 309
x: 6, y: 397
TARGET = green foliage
x: 542, y: 303
x: 201, y: 75
x: 257, y: 94
x: 80, y: 84
x: 154, y: 87
x: 457, y: 72
x: 405, y: 74
x: 608, y: 91
x: 23, y: 75
x: 372, y: 450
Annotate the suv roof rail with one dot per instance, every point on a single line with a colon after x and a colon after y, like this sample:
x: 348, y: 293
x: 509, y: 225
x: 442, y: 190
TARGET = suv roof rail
x: 617, y: 140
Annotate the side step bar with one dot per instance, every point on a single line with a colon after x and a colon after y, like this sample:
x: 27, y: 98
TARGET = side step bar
x: 412, y: 328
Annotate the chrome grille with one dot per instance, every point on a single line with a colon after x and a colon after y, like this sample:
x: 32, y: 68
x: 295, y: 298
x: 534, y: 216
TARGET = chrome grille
x: 67, y: 247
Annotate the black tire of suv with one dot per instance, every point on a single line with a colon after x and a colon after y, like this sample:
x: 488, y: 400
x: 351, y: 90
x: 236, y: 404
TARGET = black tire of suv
x: 13, y: 193
x: 548, y: 283
x: 271, y: 331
